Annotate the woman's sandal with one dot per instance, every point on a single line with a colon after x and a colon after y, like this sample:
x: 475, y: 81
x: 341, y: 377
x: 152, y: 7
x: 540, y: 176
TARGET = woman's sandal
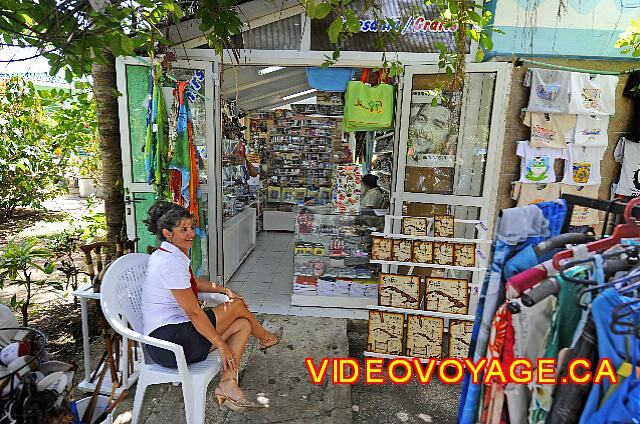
x: 233, y: 404
x: 278, y: 338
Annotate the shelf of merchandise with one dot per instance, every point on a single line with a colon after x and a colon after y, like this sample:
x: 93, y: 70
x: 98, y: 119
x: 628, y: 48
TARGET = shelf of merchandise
x: 387, y: 356
x: 421, y: 265
x: 421, y: 312
x: 349, y: 302
x: 430, y: 238
x: 239, y: 239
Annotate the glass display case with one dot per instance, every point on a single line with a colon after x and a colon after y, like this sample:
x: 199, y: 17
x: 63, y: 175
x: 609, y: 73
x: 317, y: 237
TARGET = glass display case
x: 238, y: 190
x: 331, y: 259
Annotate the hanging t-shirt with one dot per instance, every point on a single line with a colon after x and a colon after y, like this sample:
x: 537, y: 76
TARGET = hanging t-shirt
x: 550, y: 129
x: 582, y: 165
x: 633, y: 82
x: 537, y: 165
x: 530, y: 194
x: 593, y: 96
x: 549, y: 91
x: 582, y: 215
x: 592, y: 130
x: 627, y: 153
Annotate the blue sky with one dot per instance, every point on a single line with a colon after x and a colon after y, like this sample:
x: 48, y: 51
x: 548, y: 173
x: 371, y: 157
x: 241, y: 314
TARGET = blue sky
x: 33, y: 65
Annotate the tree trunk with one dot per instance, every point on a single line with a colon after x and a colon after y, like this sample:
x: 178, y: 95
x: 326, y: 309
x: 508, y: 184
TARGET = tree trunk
x: 105, y: 92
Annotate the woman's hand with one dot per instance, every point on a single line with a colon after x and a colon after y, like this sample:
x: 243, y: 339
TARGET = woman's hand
x: 233, y: 295
x: 229, y: 362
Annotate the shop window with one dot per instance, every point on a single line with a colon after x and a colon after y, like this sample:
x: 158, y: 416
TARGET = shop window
x: 447, y: 142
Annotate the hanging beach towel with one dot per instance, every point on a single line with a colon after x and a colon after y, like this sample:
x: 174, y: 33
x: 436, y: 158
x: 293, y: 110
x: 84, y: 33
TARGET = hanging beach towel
x: 367, y: 107
x: 156, y: 141
x: 329, y: 79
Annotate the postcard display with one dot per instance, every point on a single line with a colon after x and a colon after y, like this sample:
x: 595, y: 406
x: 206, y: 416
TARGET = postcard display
x: 331, y: 260
x: 424, y: 316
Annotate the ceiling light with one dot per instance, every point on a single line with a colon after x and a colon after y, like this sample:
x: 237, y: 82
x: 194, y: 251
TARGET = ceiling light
x: 269, y: 69
x: 302, y: 93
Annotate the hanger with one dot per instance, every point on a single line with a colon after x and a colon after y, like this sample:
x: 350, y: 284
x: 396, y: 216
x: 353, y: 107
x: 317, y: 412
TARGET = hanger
x: 620, y: 260
x: 559, y: 241
x: 630, y: 229
x: 620, y: 319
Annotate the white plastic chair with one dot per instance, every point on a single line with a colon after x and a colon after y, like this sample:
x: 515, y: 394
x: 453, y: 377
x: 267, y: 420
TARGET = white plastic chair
x: 120, y: 298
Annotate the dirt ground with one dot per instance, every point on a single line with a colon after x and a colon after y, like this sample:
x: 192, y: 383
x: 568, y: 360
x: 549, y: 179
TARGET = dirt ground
x: 53, y: 311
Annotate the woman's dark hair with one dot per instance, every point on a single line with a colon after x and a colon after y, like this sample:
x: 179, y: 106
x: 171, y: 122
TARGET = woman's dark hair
x: 370, y: 180
x: 165, y: 215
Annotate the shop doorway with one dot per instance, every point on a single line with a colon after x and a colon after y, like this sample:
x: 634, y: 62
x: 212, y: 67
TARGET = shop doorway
x: 291, y: 133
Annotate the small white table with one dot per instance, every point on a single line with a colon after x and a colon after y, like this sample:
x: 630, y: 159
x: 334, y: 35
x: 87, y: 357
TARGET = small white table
x: 85, y: 293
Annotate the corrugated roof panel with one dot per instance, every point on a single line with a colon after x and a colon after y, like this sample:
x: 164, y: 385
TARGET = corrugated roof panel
x: 418, y: 33
x: 284, y: 34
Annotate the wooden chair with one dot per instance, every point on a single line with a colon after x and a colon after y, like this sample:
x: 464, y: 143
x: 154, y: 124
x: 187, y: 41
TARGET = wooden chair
x: 97, y: 259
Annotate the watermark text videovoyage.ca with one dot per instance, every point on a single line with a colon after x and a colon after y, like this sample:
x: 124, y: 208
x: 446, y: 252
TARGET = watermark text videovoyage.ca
x: 452, y: 370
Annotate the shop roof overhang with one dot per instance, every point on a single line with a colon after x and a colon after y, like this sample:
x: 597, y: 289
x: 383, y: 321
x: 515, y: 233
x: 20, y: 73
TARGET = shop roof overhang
x: 254, y: 13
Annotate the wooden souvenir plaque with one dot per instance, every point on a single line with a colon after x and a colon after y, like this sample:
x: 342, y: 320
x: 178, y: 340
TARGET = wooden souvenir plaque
x: 400, y: 291
x: 424, y: 336
x: 386, y: 332
x: 459, y: 338
x: 443, y: 253
x: 464, y: 254
x: 422, y: 252
x: 414, y: 226
x: 402, y: 250
x: 448, y: 295
x: 443, y: 226
x: 381, y: 249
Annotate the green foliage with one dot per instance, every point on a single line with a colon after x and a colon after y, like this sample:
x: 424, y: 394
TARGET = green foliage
x: 629, y: 40
x: 72, y: 35
x: 40, y: 133
x: 64, y: 245
x: 18, y: 263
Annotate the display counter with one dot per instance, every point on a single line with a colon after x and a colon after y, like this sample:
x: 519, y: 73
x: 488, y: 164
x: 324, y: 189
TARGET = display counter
x: 239, y: 239
x: 331, y: 260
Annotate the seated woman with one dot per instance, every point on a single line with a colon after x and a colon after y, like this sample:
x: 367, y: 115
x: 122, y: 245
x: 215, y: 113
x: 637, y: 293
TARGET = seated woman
x: 171, y: 312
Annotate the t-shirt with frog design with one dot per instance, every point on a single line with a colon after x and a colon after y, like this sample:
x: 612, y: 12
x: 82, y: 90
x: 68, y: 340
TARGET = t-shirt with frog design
x: 537, y: 163
x: 582, y: 165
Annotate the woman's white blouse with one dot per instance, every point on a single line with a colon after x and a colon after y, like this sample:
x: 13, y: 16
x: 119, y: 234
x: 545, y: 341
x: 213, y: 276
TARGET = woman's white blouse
x: 165, y: 271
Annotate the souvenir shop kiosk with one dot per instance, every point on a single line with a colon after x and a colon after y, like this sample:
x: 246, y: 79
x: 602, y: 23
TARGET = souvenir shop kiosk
x: 423, y: 258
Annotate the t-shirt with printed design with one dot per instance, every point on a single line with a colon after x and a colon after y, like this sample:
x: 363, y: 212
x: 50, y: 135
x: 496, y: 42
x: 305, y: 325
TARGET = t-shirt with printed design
x: 592, y: 130
x: 550, y: 129
x: 549, y: 91
x: 537, y: 164
x: 593, y: 96
x: 582, y: 165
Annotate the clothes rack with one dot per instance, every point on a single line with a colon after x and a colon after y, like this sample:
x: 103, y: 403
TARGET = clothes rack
x: 615, y: 208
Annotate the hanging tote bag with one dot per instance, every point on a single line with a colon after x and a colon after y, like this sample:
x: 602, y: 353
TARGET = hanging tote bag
x: 367, y: 107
